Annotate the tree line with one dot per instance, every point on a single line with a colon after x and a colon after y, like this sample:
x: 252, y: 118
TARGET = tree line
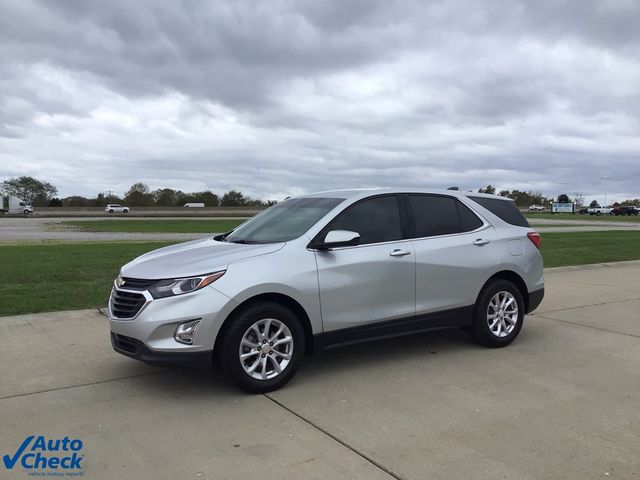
x: 44, y: 194
x: 527, y: 198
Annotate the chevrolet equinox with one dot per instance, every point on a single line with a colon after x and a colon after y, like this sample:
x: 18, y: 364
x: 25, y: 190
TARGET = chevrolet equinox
x: 326, y: 270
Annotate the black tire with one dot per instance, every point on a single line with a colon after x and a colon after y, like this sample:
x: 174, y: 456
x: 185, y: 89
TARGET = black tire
x: 26, y: 213
x: 110, y: 211
x: 480, y: 330
x: 125, y: 211
x: 228, y: 348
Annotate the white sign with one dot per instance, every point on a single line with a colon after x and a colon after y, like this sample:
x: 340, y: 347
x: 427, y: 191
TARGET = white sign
x: 562, y: 207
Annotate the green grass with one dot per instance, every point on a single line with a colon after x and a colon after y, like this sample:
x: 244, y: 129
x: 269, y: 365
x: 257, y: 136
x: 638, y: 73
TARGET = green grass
x: 581, y: 248
x: 49, y: 277
x: 584, y: 218
x: 64, y: 276
x: 155, y: 226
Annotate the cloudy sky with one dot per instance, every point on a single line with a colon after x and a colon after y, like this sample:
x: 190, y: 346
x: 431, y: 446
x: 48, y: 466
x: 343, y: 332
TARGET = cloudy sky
x: 283, y: 97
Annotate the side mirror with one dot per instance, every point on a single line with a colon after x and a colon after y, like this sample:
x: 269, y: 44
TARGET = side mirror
x: 339, y: 238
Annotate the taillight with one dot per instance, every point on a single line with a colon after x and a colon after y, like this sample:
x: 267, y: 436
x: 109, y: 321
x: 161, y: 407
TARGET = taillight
x: 535, y: 238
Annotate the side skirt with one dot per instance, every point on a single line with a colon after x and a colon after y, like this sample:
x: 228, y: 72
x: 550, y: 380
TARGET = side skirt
x: 456, y: 317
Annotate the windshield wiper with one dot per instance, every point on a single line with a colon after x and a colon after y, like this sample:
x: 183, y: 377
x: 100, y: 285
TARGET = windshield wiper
x: 245, y: 242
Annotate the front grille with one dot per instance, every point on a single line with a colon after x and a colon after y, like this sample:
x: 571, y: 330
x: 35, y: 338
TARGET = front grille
x: 128, y: 344
x: 137, y: 283
x: 126, y: 304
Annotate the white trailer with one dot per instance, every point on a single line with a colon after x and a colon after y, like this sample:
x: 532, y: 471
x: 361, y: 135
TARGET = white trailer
x: 14, y: 205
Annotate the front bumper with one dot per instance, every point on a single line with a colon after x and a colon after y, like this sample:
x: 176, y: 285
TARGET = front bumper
x: 134, y: 348
x: 149, y: 335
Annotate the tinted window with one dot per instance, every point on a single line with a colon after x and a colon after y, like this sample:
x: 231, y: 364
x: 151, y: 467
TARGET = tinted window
x: 376, y: 220
x: 434, y: 215
x: 468, y: 220
x: 284, y: 221
x: 504, y: 209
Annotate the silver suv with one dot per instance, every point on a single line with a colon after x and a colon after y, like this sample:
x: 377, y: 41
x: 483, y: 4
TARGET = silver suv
x: 326, y: 270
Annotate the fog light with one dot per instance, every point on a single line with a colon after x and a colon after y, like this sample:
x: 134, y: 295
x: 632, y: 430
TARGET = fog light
x: 186, y: 331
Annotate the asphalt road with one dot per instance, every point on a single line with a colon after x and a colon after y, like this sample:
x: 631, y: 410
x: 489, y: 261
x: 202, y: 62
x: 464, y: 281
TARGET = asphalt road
x: 561, y: 402
x: 34, y: 229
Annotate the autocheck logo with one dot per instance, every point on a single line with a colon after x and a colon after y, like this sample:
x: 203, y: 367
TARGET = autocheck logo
x: 61, y: 456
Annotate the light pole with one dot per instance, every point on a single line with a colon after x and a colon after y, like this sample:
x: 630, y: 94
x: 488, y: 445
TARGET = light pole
x: 604, y: 183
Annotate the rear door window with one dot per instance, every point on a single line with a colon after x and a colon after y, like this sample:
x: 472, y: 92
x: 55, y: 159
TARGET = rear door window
x: 469, y: 221
x: 435, y: 215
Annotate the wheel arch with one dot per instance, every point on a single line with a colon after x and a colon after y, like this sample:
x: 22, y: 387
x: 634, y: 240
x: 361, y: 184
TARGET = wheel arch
x: 512, y: 277
x: 282, y: 299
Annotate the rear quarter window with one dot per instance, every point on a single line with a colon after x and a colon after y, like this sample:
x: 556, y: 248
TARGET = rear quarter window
x: 504, y: 209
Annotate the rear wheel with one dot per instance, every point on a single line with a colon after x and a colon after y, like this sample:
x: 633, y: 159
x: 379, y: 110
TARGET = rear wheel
x: 498, y: 314
x: 262, y: 348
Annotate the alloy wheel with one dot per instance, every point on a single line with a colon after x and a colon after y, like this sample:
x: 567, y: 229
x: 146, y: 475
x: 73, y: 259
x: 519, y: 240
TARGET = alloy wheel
x: 266, y: 349
x: 502, y: 314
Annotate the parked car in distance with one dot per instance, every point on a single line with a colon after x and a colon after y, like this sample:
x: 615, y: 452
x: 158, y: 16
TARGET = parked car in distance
x: 193, y: 205
x: 326, y: 270
x: 599, y: 210
x: 536, y: 208
x: 14, y: 205
x: 624, y: 210
x: 115, y: 208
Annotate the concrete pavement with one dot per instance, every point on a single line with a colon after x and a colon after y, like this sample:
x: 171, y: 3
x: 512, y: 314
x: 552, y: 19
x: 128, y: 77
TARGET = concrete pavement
x: 561, y: 402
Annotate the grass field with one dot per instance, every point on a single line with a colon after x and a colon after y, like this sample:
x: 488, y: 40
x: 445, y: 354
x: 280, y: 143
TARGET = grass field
x: 579, y: 248
x: 584, y: 218
x: 156, y: 226
x: 64, y: 276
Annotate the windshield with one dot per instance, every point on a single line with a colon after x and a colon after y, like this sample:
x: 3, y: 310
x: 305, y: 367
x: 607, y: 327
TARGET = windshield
x: 284, y: 221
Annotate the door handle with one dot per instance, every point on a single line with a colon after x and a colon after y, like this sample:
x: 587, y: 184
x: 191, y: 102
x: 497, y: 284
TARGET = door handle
x: 481, y: 241
x: 400, y: 253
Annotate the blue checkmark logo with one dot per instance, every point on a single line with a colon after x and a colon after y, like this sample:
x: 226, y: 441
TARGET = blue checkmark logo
x: 10, y: 462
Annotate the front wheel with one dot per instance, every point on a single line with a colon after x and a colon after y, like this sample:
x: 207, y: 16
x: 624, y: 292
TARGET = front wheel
x: 27, y: 212
x: 262, y: 348
x: 498, y: 314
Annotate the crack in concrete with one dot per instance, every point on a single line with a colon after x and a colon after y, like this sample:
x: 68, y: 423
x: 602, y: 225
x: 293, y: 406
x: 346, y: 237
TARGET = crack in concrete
x: 67, y: 387
x: 580, y: 307
x: 353, y: 449
x: 589, y: 326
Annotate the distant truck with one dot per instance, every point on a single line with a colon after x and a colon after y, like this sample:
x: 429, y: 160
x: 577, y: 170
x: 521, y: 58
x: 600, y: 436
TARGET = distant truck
x: 625, y: 210
x: 599, y: 210
x: 14, y: 205
x: 193, y: 205
x: 536, y: 208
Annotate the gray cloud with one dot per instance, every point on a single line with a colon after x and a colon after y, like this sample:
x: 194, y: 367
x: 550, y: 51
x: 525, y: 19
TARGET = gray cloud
x: 290, y: 96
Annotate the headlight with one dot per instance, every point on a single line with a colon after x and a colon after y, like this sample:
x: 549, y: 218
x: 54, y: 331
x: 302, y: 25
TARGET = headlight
x: 178, y: 286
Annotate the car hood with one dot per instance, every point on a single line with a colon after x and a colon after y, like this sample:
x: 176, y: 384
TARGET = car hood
x: 193, y: 258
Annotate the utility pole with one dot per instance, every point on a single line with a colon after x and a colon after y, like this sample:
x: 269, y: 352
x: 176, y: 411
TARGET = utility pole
x: 604, y: 183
